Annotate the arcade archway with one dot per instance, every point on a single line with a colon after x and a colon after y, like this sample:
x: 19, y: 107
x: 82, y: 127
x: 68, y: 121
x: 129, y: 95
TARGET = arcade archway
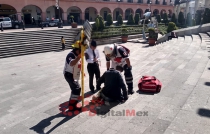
x: 128, y: 12
x: 76, y: 12
x: 90, y: 14
x: 31, y: 14
x: 8, y: 11
x: 53, y: 12
x: 117, y: 12
x: 104, y: 12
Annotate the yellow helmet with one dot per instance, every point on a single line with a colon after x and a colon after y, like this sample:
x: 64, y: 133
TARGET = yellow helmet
x: 77, y: 44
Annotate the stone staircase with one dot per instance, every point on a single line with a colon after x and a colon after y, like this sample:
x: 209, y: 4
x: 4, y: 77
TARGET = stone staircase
x: 31, y: 42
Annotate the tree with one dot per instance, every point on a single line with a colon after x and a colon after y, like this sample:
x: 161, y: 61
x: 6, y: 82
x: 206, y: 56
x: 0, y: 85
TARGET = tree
x: 198, y: 17
x: 158, y: 18
x: 97, y: 24
x: 101, y: 22
x: 109, y: 20
x: 137, y: 18
x: 181, y: 18
x: 130, y: 20
x: 189, y: 19
x: 206, y: 16
x: 173, y: 19
x: 171, y: 27
x: 165, y: 18
x: 119, y: 19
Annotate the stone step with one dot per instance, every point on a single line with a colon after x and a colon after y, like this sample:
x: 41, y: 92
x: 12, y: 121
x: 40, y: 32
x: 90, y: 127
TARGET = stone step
x: 30, y: 42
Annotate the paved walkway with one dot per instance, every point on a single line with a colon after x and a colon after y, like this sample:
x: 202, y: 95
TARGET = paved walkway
x: 32, y: 88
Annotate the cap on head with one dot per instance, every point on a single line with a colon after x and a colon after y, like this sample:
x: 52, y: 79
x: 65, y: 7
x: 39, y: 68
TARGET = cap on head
x: 108, y: 49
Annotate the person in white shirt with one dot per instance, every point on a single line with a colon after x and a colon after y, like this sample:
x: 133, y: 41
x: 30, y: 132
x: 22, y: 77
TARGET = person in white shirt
x: 92, y: 57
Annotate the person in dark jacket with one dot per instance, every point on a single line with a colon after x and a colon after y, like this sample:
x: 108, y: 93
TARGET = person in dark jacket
x: 113, y: 84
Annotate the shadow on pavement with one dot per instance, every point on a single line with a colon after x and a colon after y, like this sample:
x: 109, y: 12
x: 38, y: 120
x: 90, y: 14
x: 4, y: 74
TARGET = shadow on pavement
x: 145, y: 93
x: 207, y: 83
x: 93, y: 109
x: 204, y: 112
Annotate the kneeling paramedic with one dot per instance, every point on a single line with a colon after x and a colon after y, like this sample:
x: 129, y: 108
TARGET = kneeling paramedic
x: 113, y: 84
x: 119, y: 57
x: 71, y: 74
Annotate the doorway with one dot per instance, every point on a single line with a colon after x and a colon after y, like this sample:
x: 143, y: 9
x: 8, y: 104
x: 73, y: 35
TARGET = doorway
x: 117, y: 14
x: 105, y: 15
x: 87, y: 16
x: 76, y: 17
x: 27, y: 19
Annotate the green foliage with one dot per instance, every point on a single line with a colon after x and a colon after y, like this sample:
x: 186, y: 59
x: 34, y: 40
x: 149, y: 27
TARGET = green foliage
x: 171, y: 27
x: 158, y: 18
x: 193, y: 22
x: 124, y: 32
x: 97, y: 24
x: 119, y: 20
x: 206, y: 16
x: 165, y: 18
x: 173, y: 19
x: 181, y: 18
x: 101, y: 22
x: 198, y: 18
x: 109, y: 20
x: 152, y: 33
x: 130, y: 20
x: 189, y: 19
x: 137, y: 18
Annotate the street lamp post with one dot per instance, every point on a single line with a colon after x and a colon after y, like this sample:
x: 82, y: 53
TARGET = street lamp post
x: 57, y: 5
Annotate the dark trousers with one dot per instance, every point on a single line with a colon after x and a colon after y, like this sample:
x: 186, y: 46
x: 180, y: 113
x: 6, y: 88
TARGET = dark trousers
x: 128, y: 78
x: 74, y: 86
x: 63, y: 46
x: 93, y: 69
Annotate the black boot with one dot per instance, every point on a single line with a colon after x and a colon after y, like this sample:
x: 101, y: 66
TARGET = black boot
x: 130, y: 91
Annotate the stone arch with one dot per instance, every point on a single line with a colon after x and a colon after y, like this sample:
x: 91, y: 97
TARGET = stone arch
x: 128, y: 11
x: 31, y: 14
x: 76, y: 12
x: 140, y: 11
x: 91, y: 13
x: 8, y: 11
x: 52, y: 12
x: 104, y: 12
x: 155, y: 12
x: 116, y: 12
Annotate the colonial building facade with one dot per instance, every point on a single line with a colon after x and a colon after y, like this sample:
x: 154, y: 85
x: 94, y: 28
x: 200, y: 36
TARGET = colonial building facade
x: 81, y: 9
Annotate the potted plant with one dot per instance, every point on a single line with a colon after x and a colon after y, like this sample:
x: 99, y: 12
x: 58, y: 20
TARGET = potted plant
x: 73, y: 24
x: 124, y: 35
x: 152, y: 36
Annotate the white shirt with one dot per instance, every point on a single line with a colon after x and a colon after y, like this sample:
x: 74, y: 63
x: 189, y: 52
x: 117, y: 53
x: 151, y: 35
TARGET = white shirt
x: 89, y: 55
x: 119, y: 59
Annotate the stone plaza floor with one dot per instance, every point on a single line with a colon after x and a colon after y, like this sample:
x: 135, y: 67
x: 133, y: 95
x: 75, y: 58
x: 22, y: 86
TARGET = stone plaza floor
x: 33, y: 86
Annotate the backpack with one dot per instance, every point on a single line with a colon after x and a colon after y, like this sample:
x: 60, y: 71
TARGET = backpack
x: 149, y: 84
x: 126, y: 49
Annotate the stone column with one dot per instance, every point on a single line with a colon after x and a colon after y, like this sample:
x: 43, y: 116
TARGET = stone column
x: 196, y: 6
x: 43, y: 16
x: 64, y: 17
x: 82, y: 16
x: 187, y: 9
x: 207, y: 3
x: 19, y: 16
